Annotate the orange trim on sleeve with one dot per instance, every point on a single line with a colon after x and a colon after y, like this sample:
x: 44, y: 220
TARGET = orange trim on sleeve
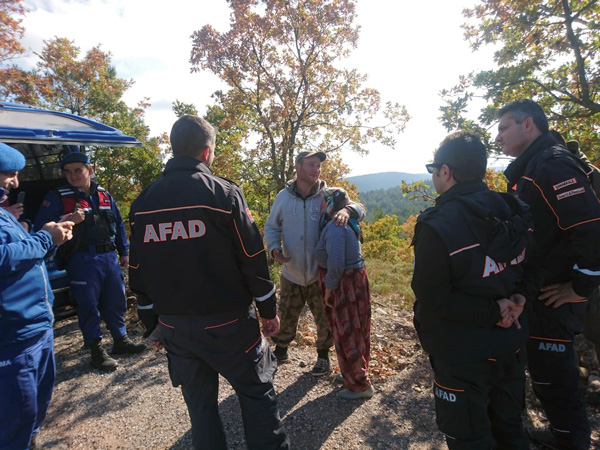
x: 242, y: 242
x: 464, y: 248
x: 447, y: 388
x: 134, y: 267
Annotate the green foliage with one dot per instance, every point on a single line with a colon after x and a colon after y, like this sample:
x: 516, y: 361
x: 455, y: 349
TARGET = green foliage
x: 395, y: 201
x: 389, y: 258
x: 88, y: 86
x: 181, y: 109
x: 547, y: 51
x: 278, y: 59
x: 382, y: 239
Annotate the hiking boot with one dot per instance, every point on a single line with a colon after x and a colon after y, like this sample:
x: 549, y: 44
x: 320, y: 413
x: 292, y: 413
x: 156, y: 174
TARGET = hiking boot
x: 321, y: 368
x: 542, y: 436
x: 124, y: 345
x: 100, y: 359
x: 281, y: 353
x: 350, y: 395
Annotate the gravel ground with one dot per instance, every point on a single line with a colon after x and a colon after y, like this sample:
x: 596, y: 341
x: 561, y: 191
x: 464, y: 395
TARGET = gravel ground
x: 136, y: 407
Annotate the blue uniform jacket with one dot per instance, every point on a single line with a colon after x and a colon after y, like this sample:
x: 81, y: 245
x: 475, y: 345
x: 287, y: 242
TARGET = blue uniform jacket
x: 25, y: 294
x: 52, y: 208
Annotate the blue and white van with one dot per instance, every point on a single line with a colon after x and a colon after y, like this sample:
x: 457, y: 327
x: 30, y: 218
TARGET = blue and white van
x: 44, y: 136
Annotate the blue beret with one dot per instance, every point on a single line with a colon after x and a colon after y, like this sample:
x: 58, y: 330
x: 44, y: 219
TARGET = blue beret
x: 11, y: 160
x: 74, y: 157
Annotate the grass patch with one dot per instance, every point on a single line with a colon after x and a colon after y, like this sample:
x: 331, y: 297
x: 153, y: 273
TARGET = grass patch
x: 391, y: 281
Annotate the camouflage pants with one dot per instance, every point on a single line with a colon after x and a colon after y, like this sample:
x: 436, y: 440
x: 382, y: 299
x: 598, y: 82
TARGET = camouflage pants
x: 292, y: 299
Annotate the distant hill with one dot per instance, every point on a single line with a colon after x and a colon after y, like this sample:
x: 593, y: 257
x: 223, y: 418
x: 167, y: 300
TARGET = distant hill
x: 385, y: 180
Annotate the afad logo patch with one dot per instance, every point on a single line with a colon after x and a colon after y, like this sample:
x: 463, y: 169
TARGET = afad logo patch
x: 249, y: 214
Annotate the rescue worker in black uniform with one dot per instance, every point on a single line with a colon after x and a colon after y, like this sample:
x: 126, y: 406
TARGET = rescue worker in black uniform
x: 469, y: 253
x: 198, y: 255
x: 563, y: 268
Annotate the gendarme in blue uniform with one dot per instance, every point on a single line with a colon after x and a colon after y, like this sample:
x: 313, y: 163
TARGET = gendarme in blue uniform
x: 92, y: 264
x: 27, y: 368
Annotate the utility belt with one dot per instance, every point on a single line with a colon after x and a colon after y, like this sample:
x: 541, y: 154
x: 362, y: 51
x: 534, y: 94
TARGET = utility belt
x: 107, y: 247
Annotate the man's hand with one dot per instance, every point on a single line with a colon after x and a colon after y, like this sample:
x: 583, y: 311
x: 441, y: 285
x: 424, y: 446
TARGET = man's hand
x: 341, y: 217
x: 60, y: 232
x: 124, y: 261
x: 270, y: 327
x: 327, y: 297
x: 510, y: 310
x: 558, y: 294
x: 278, y: 256
x: 76, y: 217
x: 155, y: 340
x: 16, y: 209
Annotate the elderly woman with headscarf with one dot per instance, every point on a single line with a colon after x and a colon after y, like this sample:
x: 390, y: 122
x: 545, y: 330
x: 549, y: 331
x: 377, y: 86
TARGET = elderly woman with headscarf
x: 346, y: 297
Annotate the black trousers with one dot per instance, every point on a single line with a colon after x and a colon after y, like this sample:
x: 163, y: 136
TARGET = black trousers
x: 201, y: 348
x: 479, y: 405
x: 553, y: 366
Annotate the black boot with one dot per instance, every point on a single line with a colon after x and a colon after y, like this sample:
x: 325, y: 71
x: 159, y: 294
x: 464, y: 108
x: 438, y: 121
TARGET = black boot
x: 100, y: 359
x: 124, y: 345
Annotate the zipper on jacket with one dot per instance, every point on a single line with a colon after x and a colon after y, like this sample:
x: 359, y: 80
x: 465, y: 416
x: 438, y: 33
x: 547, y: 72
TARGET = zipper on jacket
x: 304, y: 257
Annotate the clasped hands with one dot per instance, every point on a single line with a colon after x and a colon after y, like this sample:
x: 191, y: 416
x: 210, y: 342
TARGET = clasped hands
x: 510, y: 310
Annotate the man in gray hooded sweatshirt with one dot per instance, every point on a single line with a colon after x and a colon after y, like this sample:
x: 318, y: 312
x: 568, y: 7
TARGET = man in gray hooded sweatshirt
x: 292, y: 233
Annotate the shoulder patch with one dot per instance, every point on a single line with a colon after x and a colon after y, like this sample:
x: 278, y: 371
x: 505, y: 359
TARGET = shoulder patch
x: 564, y: 184
x: 570, y: 193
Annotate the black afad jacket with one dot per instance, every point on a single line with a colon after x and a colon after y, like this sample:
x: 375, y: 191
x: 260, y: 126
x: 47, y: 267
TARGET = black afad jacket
x: 195, y: 247
x: 469, y: 253
x: 566, y: 216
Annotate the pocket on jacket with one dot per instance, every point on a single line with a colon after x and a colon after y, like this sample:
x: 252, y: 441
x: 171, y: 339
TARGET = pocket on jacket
x: 452, y: 410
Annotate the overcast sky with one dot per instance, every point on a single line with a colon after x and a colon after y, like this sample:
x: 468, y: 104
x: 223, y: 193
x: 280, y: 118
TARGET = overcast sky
x: 410, y: 50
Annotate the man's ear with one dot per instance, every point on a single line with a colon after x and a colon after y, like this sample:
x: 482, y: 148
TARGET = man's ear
x: 529, y: 124
x: 445, y: 172
x: 205, y: 153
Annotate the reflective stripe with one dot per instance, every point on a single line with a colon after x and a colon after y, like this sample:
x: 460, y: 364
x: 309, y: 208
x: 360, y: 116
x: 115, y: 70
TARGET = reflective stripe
x: 265, y: 297
x: 587, y: 271
x: 145, y: 307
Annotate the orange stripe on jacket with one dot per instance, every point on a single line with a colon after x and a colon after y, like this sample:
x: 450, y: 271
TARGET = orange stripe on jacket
x: 554, y: 212
x: 447, y: 388
x: 242, y: 242
x: 182, y: 208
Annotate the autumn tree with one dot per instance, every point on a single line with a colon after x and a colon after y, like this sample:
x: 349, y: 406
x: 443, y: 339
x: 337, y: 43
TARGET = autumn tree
x: 89, y: 86
x: 547, y: 51
x: 11, y: 30
x: 280, y: 59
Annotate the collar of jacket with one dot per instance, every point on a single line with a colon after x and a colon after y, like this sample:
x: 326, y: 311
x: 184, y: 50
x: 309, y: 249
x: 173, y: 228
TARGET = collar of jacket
x: 466, y: 187
x: 516, y: 169
x: 79, y: 193
x: 316, y: 189
x: 186, y: 163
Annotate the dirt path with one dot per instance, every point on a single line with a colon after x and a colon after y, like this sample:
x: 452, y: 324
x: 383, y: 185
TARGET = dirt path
x: 136, y: 407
